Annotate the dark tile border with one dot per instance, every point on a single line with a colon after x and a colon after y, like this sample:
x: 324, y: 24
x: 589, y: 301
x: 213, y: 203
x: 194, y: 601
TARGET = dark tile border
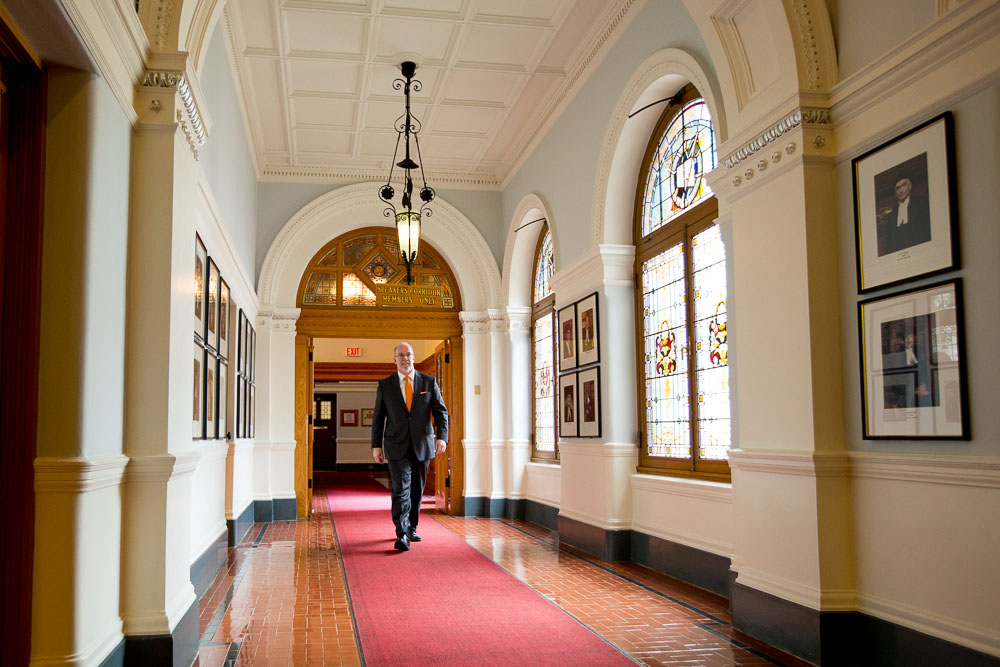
x: 544, y: 515
x: 514, y: 508
x: 263, y: 511
x: 695, y: 566
x: 177, y: 649
x: 474, y: 506
x: 116, y: 658
x: 237, y: 529
x: 208, y: 564
x: 284, y: 509
x: 605, y: 544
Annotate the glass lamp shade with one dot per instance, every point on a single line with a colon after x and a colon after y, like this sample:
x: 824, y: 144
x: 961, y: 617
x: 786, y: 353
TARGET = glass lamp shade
x: 408, y: 228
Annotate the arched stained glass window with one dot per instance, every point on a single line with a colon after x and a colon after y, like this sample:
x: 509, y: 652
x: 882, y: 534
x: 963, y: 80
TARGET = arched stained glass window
x: 681, y: 296
x: 543, y: 355
x: 684, y: 154
x: 363, y: 269
x: 544, y: 268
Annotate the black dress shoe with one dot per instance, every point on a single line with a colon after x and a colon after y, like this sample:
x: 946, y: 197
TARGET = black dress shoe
x: 402, y: 543
x: 414, y: 537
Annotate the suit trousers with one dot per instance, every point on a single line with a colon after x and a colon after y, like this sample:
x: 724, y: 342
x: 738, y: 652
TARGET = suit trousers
x: 408, y: 476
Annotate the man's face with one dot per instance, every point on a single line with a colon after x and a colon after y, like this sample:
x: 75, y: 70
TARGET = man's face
x: 404, y: 359
x: 903, y: 187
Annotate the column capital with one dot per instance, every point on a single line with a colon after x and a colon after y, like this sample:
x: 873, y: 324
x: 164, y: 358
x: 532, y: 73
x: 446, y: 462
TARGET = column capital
x: 168, y: 96
x: 519, y: 319
x: 474, y: 322
x: 278, y: 319
x: 497, y: 320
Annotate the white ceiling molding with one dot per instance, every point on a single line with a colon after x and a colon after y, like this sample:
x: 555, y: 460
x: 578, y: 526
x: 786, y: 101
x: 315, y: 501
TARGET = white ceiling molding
x: 314, y: 81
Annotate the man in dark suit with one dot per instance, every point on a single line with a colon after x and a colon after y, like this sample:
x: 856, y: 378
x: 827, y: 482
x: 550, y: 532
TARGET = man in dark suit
x: 403, y: 438
x: 909, y: 222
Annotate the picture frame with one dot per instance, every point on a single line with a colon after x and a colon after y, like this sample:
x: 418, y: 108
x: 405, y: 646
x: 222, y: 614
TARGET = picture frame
x: 349, y: 418
x: 200, y: 274
x: 367, y: 416
x: 223, y: 430
x: 588, y: 331
x: 913, y: 370
x: 568, y: 424
x: 198, y: 407
x: 224, y: 325
x: 253, y: 353
x: 589, y: 391
x: 896, y: 242
x: 251, y: 422
x: 211, y: 396
x: 212, y: 335
x: 566, y: 337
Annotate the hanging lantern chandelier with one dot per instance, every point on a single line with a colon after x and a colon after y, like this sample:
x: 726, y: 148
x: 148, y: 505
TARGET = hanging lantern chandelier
x: 408, y: 214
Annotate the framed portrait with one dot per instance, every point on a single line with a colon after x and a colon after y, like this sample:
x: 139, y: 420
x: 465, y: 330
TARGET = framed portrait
x: 568, y: 423
x: 588, y: 345
x: 213, y: 305
x: 348, y: 417
x: 905, y: 214
x: 198, y: 408
x: 200, y: 277
x: 567, y: 338
x: 913, y: 377
x: 251, y: 422
x: 223, y: 429
x: 367, y: 416
x: 223, y: 319
x: 589, y: 382
x: 211, y: 395
x: 251, y: 362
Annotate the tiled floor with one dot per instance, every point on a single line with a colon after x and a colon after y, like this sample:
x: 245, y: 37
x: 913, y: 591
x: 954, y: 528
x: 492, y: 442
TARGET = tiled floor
x: 282, y: 599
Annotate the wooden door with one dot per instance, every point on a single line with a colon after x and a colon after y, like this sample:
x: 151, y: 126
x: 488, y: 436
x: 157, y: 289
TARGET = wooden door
x: 324, y: 429
x: 449, y: 467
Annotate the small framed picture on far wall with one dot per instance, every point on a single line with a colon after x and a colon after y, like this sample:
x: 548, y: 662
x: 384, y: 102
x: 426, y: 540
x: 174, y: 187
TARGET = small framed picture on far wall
x: 589, y: 382
x: 568, y: 417
x: 567, y: 338
x: 589, y: 349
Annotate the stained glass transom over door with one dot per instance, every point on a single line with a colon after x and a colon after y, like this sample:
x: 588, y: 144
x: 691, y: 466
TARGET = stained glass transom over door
x: 686, y: 152
x: 545, y: 396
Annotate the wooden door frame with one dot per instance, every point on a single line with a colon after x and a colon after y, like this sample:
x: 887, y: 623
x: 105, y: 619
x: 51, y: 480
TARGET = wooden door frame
x: 385, y: 324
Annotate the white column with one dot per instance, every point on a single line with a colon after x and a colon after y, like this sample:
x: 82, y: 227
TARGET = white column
x: 274, y: 448
x: 498, y: 406
x: 518, y: 394
x: 477, y: 459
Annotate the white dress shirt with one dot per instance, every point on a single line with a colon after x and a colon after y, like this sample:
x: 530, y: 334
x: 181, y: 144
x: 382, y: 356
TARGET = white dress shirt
x: 902, y: 216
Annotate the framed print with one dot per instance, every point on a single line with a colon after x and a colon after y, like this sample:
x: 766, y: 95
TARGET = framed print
x: 223, y: 319
x: 200, y: 275
x: 589, y: 382
x: 223, y: 431
x: 905, y: 215
x: 567, y: 338
x: 913, y: 365
x: 251, y: 362
x: 213, y: 305
x: 589, y: 349
x: 367, y: 416
x: 198, y: 408
x: 568, y: 424
x: 348, y: 417
x: 211, y: 395
x: 251, y: 422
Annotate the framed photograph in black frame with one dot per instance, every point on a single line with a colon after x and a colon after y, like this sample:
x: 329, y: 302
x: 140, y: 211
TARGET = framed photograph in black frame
x: 589, y: 387
x: 568, y: 422
x: 212, y: 337
x: 198, y: 407
x: 905, y: 206
x: 200, y: 278
x: 588, y: 331
x: 567, y: 338
x: 913, y: 369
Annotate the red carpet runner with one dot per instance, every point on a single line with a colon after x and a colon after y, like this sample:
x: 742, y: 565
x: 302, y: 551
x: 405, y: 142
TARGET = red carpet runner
x: 443, y: 602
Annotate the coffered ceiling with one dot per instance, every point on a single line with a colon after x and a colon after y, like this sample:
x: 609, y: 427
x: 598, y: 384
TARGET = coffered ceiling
x: 315, y: 80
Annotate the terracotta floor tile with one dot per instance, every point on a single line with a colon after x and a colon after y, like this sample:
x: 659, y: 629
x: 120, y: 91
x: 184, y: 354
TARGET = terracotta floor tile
x: 281, y: 598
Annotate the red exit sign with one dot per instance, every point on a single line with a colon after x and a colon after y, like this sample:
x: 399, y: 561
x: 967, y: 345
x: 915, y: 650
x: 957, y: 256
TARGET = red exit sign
x: 354, y: 351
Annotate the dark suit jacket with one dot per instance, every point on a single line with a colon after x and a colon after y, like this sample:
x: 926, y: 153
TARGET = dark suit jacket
x: 394, y: 429
x: 917, y: 230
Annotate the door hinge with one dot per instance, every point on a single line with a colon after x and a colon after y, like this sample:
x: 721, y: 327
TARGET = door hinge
x: 310, y: 483
x: 447, y: 482
x: 447, y: 358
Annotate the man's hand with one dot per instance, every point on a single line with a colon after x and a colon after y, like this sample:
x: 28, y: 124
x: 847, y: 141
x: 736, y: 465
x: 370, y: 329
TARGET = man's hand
x: 377, y: 455
x: 440, y: 446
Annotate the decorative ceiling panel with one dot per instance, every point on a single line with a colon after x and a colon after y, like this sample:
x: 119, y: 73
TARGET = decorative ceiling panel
x: 315, y: 80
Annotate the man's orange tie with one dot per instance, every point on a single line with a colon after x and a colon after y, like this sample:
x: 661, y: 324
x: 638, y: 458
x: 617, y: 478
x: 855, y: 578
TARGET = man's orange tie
x: 409, y: 393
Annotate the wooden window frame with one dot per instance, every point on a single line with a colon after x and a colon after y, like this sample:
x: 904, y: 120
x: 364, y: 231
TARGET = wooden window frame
x: 679, y: 230
x: 540, y: 309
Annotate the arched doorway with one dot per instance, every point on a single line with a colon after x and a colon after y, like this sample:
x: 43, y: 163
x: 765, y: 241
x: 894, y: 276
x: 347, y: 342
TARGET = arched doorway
x: 355, y: 288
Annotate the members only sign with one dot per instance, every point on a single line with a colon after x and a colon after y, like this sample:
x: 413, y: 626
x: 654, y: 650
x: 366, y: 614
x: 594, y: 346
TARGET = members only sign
x: 414, y: 296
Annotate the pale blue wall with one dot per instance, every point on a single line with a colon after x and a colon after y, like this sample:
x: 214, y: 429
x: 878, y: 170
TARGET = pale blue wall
x: 865, y: 29
x: 226, y: 156
x: 562, y: 168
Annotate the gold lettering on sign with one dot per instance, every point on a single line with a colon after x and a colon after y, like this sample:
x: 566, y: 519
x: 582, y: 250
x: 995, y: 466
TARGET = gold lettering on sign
x: 410, y: 295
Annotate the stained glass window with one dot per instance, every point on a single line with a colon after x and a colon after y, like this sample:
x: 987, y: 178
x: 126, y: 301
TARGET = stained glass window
x: 545, y: 267
x: 545, y: 397
x: 356, y: 293
x: 681, y: 261
x: 685, y: 153
x: 321, y: 288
